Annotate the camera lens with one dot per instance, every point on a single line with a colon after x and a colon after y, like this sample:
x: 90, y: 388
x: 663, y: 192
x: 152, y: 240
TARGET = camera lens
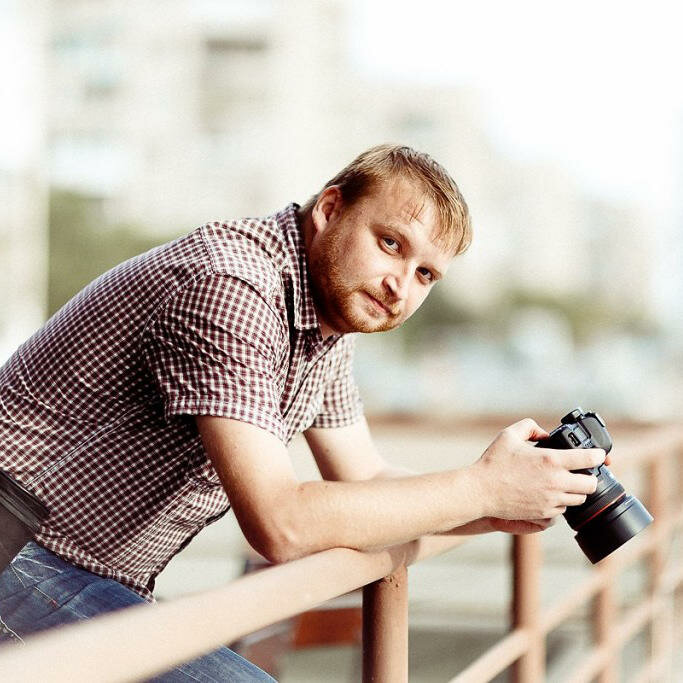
x: 608, y: 490
x: 607, y: 519
x: 612, y: 528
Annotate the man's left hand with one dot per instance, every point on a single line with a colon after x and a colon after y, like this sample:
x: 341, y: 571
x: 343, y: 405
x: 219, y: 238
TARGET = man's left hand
x: 509, y: 526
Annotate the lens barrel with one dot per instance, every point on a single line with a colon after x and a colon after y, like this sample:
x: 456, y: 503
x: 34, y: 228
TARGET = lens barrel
x: 608, y: 518
x: 607, y: 492
x: 610, y: 529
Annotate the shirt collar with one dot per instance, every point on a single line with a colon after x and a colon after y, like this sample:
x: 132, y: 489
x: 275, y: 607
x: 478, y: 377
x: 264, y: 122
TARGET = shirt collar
x: 305, y: 317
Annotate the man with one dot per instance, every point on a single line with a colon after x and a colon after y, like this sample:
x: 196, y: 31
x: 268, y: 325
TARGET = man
x: 168, y: 389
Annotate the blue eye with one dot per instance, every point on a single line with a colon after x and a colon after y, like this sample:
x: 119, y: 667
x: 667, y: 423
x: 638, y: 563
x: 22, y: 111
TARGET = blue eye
x: 390, y: 243
x: 426, y: 273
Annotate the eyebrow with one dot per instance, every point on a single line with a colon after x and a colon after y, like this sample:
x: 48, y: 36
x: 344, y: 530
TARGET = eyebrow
x: 405, y: 236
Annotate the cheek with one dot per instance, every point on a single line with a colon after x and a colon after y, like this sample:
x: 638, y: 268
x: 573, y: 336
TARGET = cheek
x: 360, y: 263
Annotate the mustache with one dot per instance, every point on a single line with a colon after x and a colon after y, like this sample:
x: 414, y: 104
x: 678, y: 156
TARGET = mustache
x: 392, y: 307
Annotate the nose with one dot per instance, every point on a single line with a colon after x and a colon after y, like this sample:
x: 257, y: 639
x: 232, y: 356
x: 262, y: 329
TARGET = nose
x: 397, y: 284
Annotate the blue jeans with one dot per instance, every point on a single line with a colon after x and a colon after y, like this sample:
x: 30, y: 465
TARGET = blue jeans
x: 39, y: 590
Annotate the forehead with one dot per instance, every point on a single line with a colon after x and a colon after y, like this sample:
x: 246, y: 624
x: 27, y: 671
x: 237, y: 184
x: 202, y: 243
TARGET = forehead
x: 401, y: 199
x: 404, y: 205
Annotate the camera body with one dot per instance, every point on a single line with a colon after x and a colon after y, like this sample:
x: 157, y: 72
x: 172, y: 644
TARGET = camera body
x: 580, y: 430
x: 609, y: 517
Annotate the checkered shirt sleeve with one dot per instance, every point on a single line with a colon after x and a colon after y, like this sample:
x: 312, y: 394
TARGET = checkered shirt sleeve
x: 342, y: 404
x: 213, y: 350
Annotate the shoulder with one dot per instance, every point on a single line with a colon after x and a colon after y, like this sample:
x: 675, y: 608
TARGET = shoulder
x: 251, y: 249
x: 214, y: 303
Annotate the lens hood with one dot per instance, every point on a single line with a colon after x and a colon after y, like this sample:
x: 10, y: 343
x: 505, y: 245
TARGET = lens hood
x: 611, y: 529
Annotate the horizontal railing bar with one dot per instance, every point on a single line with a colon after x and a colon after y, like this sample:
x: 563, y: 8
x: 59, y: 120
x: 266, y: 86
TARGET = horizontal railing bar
x: 593, y: 662
x: 557, y: 613
x: 495, y: 659
x: 634, y: 619
x: 654, y: 670
x: 672, y: 579
x: 595, y: 659
x: 644, y: 449
x: 560, y: 611
x: 193, y: 625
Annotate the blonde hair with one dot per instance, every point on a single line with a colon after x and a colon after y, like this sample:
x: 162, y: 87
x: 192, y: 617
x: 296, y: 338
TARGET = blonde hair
x: 387, y: 162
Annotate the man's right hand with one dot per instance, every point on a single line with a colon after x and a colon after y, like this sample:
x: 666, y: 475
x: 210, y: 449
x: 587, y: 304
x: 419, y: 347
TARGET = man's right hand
x: 520, y: 481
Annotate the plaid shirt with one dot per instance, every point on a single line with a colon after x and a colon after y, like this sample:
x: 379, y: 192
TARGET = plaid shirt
x: 96, y: 407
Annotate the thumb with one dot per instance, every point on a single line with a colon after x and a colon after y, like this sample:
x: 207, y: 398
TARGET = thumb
x: 527, y: 430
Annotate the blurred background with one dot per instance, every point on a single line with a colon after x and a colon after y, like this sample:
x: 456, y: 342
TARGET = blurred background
x: 124, y: 125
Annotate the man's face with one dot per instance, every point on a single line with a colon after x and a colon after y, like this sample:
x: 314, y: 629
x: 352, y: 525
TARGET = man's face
x: 373, y: 263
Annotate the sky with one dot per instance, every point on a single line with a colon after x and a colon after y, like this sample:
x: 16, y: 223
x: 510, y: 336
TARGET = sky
x: 595, y: 85
x: 20, y: 119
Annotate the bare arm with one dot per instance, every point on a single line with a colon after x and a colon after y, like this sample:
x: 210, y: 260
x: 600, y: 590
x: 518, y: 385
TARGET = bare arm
x: 349, y: 453
x: 283, y: 518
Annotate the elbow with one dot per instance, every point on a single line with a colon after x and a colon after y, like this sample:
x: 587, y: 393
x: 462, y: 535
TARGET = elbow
x: 276, y: 542
x: 279, y: 553
x: 280, y: 528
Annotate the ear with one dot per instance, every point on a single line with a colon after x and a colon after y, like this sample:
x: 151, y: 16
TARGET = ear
x: 327, y: 208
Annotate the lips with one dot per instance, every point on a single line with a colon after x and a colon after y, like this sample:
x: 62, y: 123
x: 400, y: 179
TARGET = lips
x: 379, y: 305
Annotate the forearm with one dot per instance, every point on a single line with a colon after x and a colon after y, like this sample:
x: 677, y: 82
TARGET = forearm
x: 379, y: 512
x: 482, y: 525
x: 364, y: 504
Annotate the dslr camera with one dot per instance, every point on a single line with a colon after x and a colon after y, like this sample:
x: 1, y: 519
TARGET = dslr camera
x: 609, y: 517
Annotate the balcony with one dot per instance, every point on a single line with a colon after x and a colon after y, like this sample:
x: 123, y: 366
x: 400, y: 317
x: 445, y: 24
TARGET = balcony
x: 539, y: 612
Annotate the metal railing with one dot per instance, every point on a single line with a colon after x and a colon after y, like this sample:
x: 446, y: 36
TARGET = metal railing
x: 661, y: 454
x: 143, y: 641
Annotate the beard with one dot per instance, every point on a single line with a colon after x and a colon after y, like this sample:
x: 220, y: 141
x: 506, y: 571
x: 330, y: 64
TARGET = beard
x: 340, y: 300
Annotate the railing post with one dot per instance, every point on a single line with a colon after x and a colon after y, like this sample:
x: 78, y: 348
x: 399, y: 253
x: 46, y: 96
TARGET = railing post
x: 385, y: 629
x: 659, y: 478
x: 605, y: 613
x: 526, y: 607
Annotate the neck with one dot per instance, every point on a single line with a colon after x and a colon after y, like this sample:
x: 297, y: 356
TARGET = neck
x: 307, y: 231
x: 306, y: 222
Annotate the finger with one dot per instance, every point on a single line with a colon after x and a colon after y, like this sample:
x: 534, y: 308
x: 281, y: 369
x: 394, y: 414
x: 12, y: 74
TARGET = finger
x: 581, y: 458
x: 542, y: 523
x: 555, y: 512
x: 580, y: 483
x: 521, y: 526
x: 569, y: 499
x: 530, y: 528
x: 527, y: 430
